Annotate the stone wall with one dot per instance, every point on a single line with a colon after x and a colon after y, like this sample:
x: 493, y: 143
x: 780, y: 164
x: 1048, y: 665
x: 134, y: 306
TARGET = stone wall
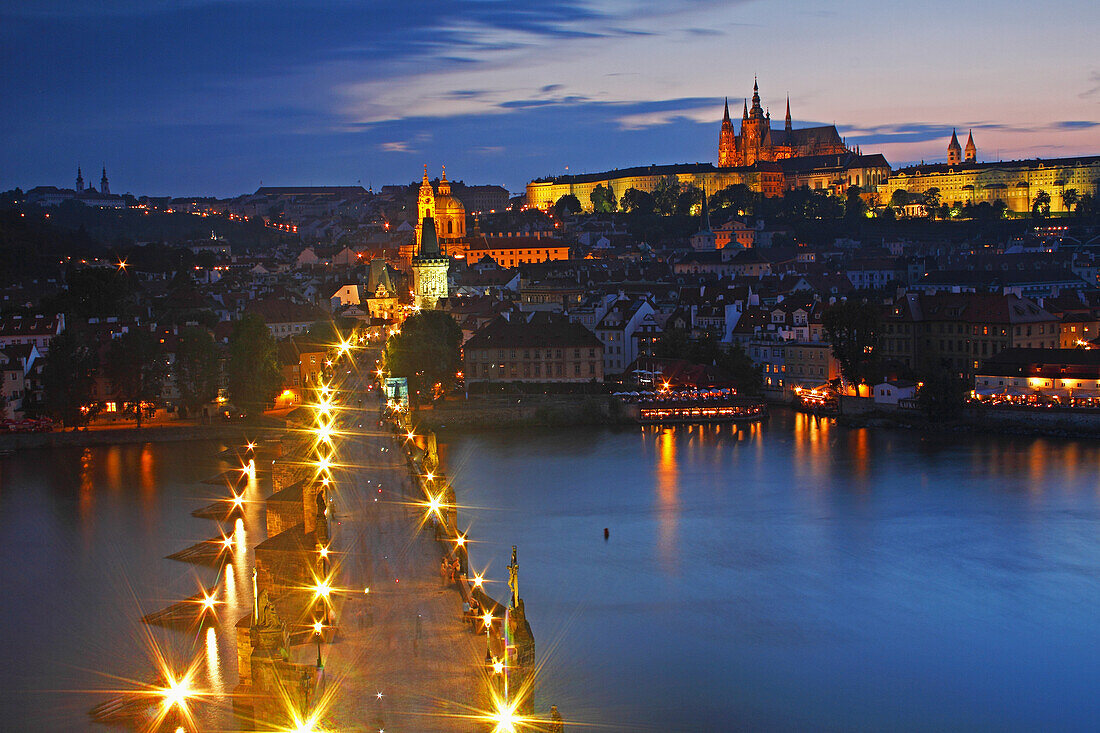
x: 481, y: 411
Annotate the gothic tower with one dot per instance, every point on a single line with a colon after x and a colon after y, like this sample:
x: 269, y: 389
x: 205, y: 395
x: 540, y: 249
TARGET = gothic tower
x: 429, y: 268
x: 755, y: 127
x: 971, y: 152
x: 727, y: 143
x: 79, y: 180
x: 103, y: 188
x: 787, y: 124
x: 954, y: 150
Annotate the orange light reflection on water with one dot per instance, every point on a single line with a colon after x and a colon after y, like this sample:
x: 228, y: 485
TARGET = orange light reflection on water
x: 668, y: 501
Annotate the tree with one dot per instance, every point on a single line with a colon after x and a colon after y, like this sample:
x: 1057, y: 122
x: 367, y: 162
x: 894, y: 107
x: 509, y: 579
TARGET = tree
x: 852, y: 330
x: 942, y: 395
x: 930, y: 200
x: 253, y: 367
x: 425, y: 351
x: 899, y: 198
x: 854, y: 207
x: 666, y: 195
x: 603, y: 199
x: 197, y: 369
x: 738, y: 197
x: 1040, y: 208
x: 68, y: 375
x: 636, y: 201
x: 1070, y: 199
x: 1000, y: 209
x: 567, y: 205
x: 136, y: 366
x: 690, y: 197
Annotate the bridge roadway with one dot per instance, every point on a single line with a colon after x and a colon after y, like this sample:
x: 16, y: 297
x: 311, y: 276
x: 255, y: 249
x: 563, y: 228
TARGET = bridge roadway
x: 403, y: 639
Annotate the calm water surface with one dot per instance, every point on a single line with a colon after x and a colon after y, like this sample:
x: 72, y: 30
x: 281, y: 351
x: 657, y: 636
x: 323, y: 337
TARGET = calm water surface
x: 798, y: 575
x: 795, y: 576
x: 83, y: 535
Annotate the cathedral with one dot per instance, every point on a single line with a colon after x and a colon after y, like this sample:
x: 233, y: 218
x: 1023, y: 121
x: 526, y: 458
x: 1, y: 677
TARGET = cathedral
x: 759, y: 142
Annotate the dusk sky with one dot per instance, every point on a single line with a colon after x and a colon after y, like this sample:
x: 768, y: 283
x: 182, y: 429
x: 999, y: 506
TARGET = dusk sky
x: 208, y: 97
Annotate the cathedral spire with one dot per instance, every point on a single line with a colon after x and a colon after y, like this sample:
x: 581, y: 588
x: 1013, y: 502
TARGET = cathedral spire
x: 103, y: 188
x: 726, y: 116
x: 79, y: 180
x: 745, y: 114
x: 787, y: 125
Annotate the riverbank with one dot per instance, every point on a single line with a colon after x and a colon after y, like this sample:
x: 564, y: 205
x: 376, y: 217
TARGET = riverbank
x: 1003, y: 422
x: 523, y: 411
x: 128, y: 435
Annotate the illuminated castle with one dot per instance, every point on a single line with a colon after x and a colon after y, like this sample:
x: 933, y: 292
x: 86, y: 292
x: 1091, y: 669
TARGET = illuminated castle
x: 758, y: 141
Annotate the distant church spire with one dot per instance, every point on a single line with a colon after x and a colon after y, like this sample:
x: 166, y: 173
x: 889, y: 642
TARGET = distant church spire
x: 745, y: 114
x: 954, y: 150
x: 103, y: 188
x: 79, y: 180
x: 971, y: 153
x: 787, y: 126
x: 726, y: 115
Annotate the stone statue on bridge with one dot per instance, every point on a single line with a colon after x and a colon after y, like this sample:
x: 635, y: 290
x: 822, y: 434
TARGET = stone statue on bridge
x: 268, y: 631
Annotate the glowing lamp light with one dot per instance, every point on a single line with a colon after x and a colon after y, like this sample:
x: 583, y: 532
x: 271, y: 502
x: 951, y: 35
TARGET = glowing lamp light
x: 498, y: 666
x: 478, y: 580
x: 324, y: 552
x: 504, y: 718
x: 238, y: 500
x: 318, y: 627
x: 322, y: 589
x: 227, y: 542
x: 487, y: 619
x: 460, y: 540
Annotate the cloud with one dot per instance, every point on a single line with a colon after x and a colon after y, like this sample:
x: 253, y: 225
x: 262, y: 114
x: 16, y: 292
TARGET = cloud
x: 1076, y: 124
x: 399, y: 146
x: 1094, y: 89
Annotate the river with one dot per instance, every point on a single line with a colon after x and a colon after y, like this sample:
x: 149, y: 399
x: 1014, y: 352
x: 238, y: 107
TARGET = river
x: 789, y: 576
x: 83, y: 539
x: 797, y: 575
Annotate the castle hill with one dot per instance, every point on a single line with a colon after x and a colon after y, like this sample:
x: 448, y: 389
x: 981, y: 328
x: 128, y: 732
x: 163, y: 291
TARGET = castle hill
x: 507, y: 368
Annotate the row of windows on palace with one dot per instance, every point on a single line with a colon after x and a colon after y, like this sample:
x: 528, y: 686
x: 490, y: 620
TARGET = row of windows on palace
x: 976, y: 330
x: 530, y: 369
x: 483, y: 354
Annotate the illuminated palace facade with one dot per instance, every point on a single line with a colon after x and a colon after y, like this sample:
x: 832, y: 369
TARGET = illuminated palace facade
x: 962, y: 179
x: 767, y: 161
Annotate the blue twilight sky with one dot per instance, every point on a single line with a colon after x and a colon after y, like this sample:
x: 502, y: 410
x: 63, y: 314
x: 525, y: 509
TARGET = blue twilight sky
x: 214, y: 96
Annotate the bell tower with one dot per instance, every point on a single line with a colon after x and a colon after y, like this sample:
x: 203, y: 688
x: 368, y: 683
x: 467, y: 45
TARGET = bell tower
x: 425, y: 207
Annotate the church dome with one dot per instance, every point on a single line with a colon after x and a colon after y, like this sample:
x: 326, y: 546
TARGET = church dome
x: 450, y: 214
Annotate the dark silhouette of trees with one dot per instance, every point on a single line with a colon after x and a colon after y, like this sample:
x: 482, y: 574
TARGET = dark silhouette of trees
x: 851, y: 328
x: 426, y: 351
x: 635, y: 201
x: 198, y: 368
x: 253, y: 367
x: 603, y: 199
x: 136, y: 365
x: 566, y: 205
x: 68, y: 375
